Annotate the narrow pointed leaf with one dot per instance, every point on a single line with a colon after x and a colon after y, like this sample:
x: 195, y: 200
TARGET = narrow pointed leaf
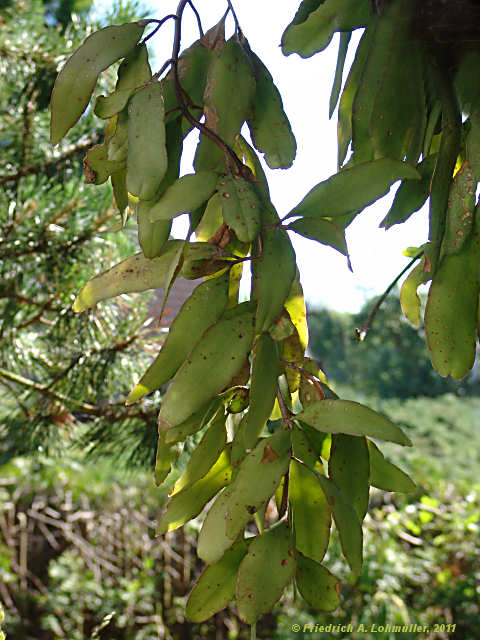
x: 411, y: 195
x: 316, y: 584
x: 321, y: 230
x: 216, y: 585
x: 385, y: 475
x: 77, y: 79
x: 187, y: 504
x: 345, y: 416
x: 257, y: 479
x: 214, y: 360
x: 315, y: 32
x: 134, y: 274
x: 311, y: 512
x: 337, y: 81
x: 344, y: 127
x: 205, y: 455
x: 265, y: 572
x: 349, y: 468
x: 347, y: 523
x: 353, y: 189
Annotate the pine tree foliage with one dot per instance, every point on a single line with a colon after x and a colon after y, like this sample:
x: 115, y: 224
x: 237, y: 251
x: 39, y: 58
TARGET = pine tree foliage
x: 56, y: 368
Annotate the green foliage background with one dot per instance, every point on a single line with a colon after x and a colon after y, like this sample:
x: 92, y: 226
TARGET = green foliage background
x: 421, y: 563
x: 393, y: 360
x: 56, y: 367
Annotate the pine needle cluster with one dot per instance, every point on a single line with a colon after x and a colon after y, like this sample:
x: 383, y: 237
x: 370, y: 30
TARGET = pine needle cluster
x: 63, y: 377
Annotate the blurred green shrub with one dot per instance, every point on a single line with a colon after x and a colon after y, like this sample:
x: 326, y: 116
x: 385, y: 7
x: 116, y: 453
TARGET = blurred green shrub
x: 392, y: 362
x: 94, y: 569
x: 421, y: 567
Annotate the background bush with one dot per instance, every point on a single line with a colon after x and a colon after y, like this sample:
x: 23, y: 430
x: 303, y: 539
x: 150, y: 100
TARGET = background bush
x: 95, y: 558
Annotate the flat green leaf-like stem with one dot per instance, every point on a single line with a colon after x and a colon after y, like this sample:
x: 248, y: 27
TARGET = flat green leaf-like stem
x: 273, y: 275
x: 187, y: 504
x: 269, y: 126
x: 347, y: 523
x: 76, y: 81
x: 311, y: 512
x: 134, y: 274
x: 264, y: 572
x: 349, y: 468
x: 385, y: 475
x: 215, y: 359
x: 323, y: 231
x: 316, y: 584
x: 352, y: 189
x: 206, y: 453
x: 240, y: 206
x: 216, y: 585
x: 213, y: 540
x: 263, y: 388
x: 345, y: 416
x: 315, y: 32
x: 185, y: 195
x: 200, y: 311
x: 167, y: 454
x: 451, y: 312
x: 147, y: 160
x: 258, y: 477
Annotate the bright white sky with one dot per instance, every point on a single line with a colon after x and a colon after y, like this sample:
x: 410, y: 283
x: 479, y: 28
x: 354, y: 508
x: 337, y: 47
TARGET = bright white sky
x: 376, y: 254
